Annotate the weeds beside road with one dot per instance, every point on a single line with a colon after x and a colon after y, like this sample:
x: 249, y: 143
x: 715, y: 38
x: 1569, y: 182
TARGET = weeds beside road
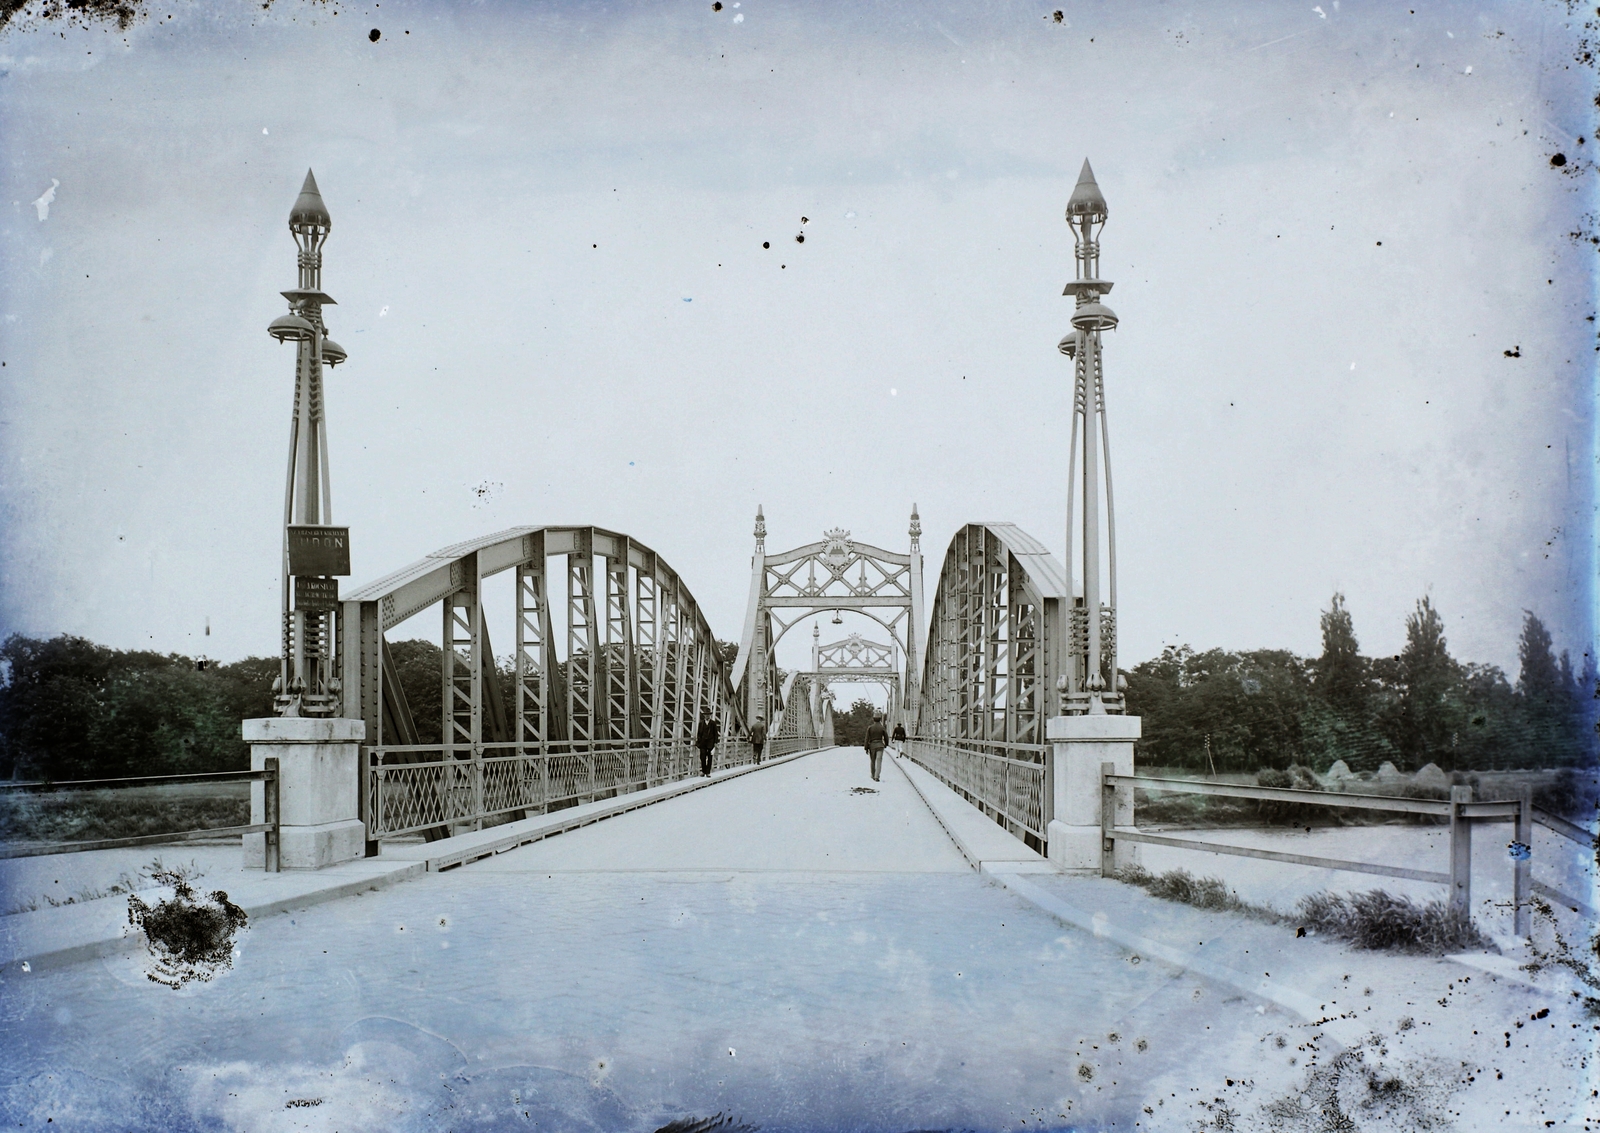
x: 80, y: 816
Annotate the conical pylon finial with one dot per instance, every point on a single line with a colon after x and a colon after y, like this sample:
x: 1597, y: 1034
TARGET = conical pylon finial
x: 1087, y: 199
x: 309, y: 211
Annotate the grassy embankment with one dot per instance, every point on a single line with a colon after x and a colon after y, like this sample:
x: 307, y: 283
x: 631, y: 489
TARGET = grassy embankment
x: 81, y: 816
x: 1566, y: 792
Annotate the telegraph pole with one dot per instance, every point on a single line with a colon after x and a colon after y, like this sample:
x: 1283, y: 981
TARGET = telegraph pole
x: 1092, y: 678
x: 314, y: 552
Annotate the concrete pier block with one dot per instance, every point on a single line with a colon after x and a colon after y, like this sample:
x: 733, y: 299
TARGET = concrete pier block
x: 319, y: 762
x: 1080, y: 744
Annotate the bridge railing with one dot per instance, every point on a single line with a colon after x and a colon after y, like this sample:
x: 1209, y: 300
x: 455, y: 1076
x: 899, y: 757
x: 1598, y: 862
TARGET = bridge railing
x: 787, y: 745
x: 268, y: 774
x: 1461, y: 811
x: 1006, y: 781
x: 413, y: 788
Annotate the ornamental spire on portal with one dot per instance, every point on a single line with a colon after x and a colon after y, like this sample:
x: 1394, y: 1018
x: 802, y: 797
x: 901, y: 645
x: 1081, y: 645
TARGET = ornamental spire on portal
x: 1091, y: 677
x: 314, y: 552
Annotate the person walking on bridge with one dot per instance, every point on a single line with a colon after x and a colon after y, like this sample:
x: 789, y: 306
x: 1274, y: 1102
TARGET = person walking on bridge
x: 758, y: 738
x: 900, y: 737
x: 706, y: 740
x: 877, y: 740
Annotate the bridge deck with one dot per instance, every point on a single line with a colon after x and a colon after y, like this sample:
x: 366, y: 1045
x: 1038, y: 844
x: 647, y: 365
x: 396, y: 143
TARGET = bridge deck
x: 773, y: 947
x: 814, y: 814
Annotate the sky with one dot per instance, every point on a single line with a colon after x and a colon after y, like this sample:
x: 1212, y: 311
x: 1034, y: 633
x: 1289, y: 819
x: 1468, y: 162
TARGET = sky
x: 1356, y: 293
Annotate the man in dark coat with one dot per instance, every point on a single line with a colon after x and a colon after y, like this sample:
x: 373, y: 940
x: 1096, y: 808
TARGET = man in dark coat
x: 758, y: 737
x: 877, y: 740
x: 900, y: 737
x: 706, y: 739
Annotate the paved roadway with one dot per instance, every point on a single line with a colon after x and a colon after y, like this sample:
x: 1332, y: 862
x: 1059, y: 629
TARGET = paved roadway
x: 781, y: 948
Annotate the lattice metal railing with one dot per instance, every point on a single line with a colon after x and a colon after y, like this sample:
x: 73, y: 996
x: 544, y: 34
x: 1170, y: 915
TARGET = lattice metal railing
x: 412, y: 788
x: 1005, y: 781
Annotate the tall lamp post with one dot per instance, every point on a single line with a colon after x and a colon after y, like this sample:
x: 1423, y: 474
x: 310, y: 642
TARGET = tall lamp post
x: 314, y: 552
x: 317, y: 818
x: 1094, y: 735
x: 1091, y: 680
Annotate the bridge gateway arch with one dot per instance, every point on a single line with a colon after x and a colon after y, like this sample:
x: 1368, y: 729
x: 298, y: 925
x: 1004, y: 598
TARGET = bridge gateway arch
x: 835, y: 574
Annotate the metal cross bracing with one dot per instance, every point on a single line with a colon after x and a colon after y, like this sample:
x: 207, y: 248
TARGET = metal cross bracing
x: 855, y: 660
x: 992, y: 675
x: 616, y: 712
x: 799, y: 725
x: 833, y: 575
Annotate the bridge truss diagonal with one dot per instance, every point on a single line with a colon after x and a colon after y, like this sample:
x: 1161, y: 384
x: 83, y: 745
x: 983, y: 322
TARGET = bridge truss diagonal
x: 611, y: 708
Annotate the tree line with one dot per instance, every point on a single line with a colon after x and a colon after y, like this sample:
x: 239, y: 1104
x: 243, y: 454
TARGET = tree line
x: 72, y: 709
x: 1269, y: 708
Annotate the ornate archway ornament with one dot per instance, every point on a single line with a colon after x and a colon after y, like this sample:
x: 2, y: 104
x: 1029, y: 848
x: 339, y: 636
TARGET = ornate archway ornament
x: 834, y: 574
x: 836, y: 554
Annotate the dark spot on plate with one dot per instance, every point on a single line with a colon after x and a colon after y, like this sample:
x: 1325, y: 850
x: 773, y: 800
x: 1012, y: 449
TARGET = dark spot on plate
x: 1514, y: 352
x: 766, y: 243
x: 800, y: 239
x: 1058, y: 16
x: 1559, y: 160
x: 717, y: 6
x: 374, y: 35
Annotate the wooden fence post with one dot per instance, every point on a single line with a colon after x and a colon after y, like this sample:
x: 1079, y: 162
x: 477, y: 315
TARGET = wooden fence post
x: 269, y: 790
x: 1460, y: 852
x: 1522, y: 863
x: 1108, y: 818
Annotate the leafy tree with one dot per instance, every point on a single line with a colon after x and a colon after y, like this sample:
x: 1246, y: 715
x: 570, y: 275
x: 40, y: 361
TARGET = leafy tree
x: 1540, y: 680
x: 1428, y: 678
x: 419, y: 665
x: 71, y: 709
x: 850, y: 728
x: 1248, y: 706
x: 1342, y: 674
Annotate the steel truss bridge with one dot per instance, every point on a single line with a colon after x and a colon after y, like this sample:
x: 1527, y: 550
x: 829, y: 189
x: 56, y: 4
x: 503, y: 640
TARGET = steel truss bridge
x: 613, y: 663
x: 609, y: 702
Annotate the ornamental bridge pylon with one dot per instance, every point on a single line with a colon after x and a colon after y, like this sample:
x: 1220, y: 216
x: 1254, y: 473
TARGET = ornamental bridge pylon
x: 830, y: 576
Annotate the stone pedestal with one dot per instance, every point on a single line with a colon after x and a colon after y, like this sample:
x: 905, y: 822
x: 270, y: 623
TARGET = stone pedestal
x: 319, y: 765
x: 1080, y: 744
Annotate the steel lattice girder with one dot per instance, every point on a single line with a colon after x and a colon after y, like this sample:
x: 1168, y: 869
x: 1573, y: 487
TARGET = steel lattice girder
x: 600, y: 690
x: 996, y: 638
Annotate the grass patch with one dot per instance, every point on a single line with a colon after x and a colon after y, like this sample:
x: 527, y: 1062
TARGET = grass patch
x: 1159, y: 808
x: 1377, y: 919
x: 1202, y: 892
x: 125, y: 883
x: 82, y: 816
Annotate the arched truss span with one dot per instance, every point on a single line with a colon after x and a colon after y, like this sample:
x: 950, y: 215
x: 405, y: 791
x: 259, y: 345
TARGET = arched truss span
x: 996, y: 638
x: 800, y: 722
x: 636, y: 668
x: 837, y: 573
x: 639, y: 660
